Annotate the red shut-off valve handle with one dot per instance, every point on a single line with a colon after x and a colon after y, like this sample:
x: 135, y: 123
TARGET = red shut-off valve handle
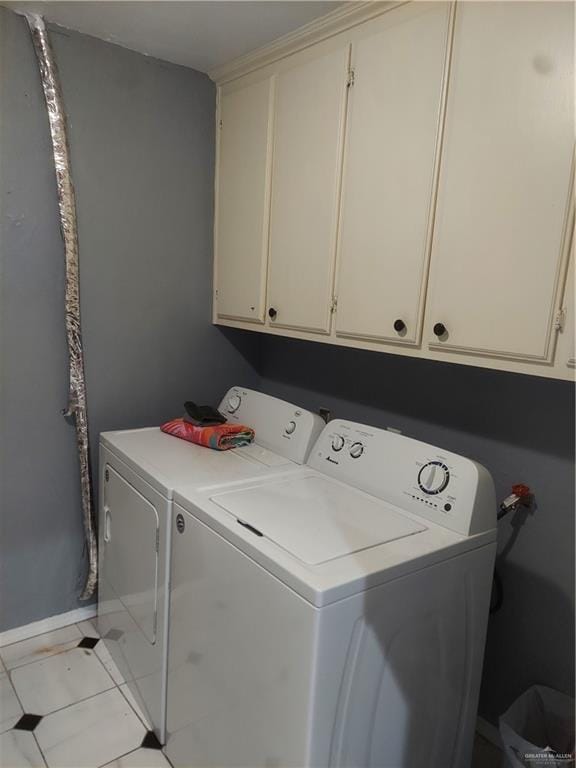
x: 522, y: 491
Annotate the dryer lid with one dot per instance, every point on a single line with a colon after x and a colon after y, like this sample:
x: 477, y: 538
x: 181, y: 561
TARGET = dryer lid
x: 262, y: 455
x: 317, y: 519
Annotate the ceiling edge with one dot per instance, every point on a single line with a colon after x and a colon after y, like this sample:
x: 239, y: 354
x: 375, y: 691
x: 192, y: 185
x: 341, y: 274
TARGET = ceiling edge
x: 349, y: 15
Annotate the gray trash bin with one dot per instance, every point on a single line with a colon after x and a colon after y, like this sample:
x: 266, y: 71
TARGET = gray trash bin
x: 538, y: 730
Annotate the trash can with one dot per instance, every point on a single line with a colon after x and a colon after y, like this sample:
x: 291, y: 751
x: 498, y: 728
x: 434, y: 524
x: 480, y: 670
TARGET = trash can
x: 538, y: 730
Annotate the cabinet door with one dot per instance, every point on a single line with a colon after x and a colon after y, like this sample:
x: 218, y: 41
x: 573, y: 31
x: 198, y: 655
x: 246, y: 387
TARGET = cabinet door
x: 393, y: 116
x: 242, y: 201
x: 508, y: 145
x: 308, y: 130
x: 566, y: 352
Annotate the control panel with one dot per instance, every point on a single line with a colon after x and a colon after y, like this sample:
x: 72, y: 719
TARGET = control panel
x: 279, y: 426
x: 440, y: 486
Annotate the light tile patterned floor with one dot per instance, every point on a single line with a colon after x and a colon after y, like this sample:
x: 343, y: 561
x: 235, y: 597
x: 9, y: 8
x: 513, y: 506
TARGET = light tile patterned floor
x: 64, y: 704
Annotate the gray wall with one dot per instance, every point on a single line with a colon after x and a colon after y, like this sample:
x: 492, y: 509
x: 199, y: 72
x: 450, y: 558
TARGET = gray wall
x: 522, y: 429
x: 141, y: 135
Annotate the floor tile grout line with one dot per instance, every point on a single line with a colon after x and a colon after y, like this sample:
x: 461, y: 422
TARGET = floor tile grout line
x: 87, y: 698
x: 61, y: 709
x: 33, y: 637
x: 93, y: 697
x: 80, y: 701
x: 15, y: 693
x: 124, y: 754
x: 101, y: 640
x: 107, y: 670
x: 42, y: 658
x: 40, y: 750
x: 144, y: 723
x: 77, y: 625
x: 10, y: 730
x: 119, y: 686
x: 46, y: 632
x: 92, y: 651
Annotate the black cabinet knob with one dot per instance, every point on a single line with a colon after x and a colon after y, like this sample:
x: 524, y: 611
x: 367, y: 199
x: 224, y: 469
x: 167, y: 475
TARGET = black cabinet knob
x: 439, y: 329
x: 272, y: 313
x: 399, y: 325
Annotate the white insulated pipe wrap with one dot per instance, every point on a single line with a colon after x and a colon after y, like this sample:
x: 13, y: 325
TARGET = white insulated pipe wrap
x: 76, y: 408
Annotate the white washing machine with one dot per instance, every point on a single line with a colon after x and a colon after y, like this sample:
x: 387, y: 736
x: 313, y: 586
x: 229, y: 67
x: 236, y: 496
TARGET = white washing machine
x: 335, y: 617
x: 138, y: 472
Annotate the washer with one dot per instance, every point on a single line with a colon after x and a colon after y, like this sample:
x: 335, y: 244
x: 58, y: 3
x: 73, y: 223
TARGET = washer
x: 334, y: 617
x: 139, y: 470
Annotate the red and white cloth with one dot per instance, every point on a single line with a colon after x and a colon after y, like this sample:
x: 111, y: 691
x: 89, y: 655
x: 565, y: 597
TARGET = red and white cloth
x: 220, y: 437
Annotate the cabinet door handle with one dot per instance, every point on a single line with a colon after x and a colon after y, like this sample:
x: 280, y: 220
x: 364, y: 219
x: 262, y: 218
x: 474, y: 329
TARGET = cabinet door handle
x: 272, y: 313
x: 439, y: 329
x: 399, y: 325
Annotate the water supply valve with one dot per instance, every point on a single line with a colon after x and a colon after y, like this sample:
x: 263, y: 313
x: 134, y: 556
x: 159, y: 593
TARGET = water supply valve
x: 521, y: 496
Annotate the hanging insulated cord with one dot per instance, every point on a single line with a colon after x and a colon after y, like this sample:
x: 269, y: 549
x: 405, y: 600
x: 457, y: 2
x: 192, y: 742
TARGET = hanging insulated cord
x: 521, y: 496
x: 67, y: 205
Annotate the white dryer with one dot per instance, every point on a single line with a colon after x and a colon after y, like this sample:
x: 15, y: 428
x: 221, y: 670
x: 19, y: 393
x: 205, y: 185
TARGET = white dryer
x: 335, y: 617
x: 138, y: 471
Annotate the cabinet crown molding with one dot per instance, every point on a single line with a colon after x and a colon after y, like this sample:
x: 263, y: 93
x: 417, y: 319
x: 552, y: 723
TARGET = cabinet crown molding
x: 349, y: 15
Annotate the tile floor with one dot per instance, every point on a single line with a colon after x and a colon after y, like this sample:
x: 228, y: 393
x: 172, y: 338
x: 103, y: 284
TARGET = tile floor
x: 64, y: 704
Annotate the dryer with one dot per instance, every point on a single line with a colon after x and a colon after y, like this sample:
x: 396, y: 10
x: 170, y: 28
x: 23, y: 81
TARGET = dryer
x: 335, y: 617
x: 138, y: 471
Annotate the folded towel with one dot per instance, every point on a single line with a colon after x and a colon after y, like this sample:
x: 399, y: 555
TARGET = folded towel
x: 220, y: 437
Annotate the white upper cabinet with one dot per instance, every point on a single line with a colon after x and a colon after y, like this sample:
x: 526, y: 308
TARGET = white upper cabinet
x: 500, y: 232
x: 242, y: 201
x: 308, y: 136
x: 399, y: 178
x: 393, y: 117
x: 566, y: 352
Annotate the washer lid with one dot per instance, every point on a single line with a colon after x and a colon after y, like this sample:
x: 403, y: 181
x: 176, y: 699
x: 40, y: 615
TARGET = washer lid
x: 316, y: 519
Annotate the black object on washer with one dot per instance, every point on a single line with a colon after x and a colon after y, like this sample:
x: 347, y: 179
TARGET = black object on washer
x: 202, y: 415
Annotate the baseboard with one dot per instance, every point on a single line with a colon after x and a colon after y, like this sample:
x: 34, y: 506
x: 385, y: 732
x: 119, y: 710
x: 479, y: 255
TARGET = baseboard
x: 47, y: 625
x: 488, y: 731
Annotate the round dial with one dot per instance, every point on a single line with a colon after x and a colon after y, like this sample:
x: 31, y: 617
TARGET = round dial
x: 233, y: 403
x: 356, y: 450
x: 290, y: 427
x: 337, y: 443
x: 433, y: 477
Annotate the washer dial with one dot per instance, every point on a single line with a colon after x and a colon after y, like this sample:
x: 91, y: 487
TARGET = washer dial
x: 433, y: 477
x: 233, y: 403
x: 356, y: 450
x: 290, y: 427
x: 337, y: 443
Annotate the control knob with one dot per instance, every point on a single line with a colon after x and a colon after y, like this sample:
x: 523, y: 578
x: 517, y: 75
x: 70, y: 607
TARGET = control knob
x: 356, y: 450
x: 337, y: 443
x: 433, y: 477
x: 290, y: 427
x: 233, y: 403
